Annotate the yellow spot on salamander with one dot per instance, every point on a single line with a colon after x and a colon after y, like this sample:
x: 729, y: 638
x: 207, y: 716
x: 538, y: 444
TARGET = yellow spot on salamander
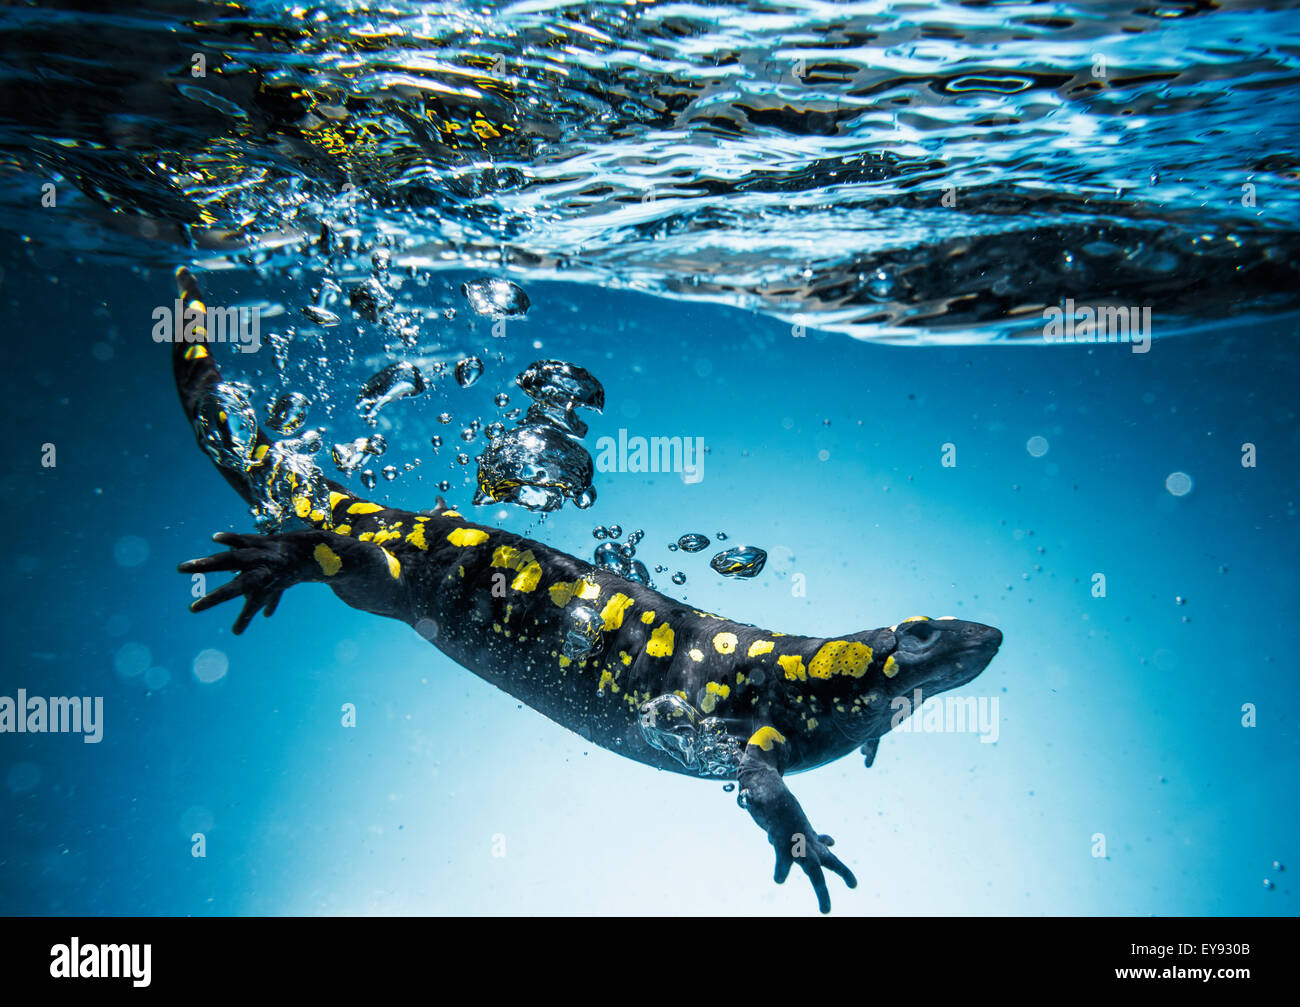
x: 606, y: 679
x: 318, y: 517
x: 614, y: 610
x: 301, y: 506
x: 916, y: 618
x: 450, y: 513
x: 504, y: 555
x: 840, y: 657
x: 648, y: 617
x: 343, y: 529
x: 766, y: 737
x: 760, y: 647
x: 812, y: 723
x: 196, y: 352
x: 394, y: 567
x: 625, y: 657
x: 364, y: 508
x: 792, y: 665
x: 696, y: 655
x: 725, y: 643
x: 713, y: 691
x: 366, y: 536
x: 564, y: 661
x: 327, y: 559
x: 416, y: 538
x: 261, y: 451
x: 336, y: 498
x: 561, y: 591
x: 588, y: 590
x: 891, y: 667
x: 530, y: 573
x: 462, y: 537
x: 661, y: 642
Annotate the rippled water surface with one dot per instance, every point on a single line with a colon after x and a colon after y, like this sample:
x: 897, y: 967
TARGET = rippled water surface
x: 893, y: 171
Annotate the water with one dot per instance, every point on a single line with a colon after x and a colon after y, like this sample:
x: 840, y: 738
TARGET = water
x: 819, y: 240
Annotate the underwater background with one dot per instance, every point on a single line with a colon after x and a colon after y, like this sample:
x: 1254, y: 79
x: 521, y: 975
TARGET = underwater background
x: 865, y: 365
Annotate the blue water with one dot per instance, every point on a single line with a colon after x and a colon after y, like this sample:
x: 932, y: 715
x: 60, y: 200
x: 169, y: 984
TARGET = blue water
x: 1120, y: 716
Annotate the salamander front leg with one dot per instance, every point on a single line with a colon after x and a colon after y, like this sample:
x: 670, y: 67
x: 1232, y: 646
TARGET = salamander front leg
x: 268, y: 564
x: 769, y: 802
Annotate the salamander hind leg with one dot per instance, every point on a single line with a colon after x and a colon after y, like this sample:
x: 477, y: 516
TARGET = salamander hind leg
x: 769, y: 802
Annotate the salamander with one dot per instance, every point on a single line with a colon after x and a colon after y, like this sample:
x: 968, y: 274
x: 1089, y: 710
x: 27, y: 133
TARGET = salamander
x: 629, y: 669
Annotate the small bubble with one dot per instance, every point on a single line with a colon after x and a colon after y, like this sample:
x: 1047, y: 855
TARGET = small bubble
x: 1179, y: 483
x: 368, y: 479
x: 468, y: 371
x: 390, y: 472
x: 1036, y: 446
x: 679, y: 578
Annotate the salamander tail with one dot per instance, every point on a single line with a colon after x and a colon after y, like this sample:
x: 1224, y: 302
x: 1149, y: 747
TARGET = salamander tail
x: 278, y: 483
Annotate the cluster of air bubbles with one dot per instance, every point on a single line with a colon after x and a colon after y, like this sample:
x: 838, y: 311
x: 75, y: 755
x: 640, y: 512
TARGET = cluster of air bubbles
x: 309, y: 443
x: 540, y: 463
x: 496, y: 298
x: 620, y: 558
x: 672, y: 725
x: 396, y: 381
x: 740, y: 561
x: 370, y: 299
x: 350, y: 457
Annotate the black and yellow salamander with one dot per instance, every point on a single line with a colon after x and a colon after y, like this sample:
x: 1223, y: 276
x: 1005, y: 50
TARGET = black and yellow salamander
x: 626, y: 667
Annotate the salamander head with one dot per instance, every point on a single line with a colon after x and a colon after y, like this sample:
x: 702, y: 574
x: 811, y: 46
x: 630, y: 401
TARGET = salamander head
x: 935, y: 655
x: 932, y: 655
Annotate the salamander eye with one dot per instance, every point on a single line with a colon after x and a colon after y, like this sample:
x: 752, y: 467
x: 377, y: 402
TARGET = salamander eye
x: 915, y: 637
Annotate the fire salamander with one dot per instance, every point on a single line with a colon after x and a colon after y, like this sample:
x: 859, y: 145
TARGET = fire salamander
x: 626, y: 667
